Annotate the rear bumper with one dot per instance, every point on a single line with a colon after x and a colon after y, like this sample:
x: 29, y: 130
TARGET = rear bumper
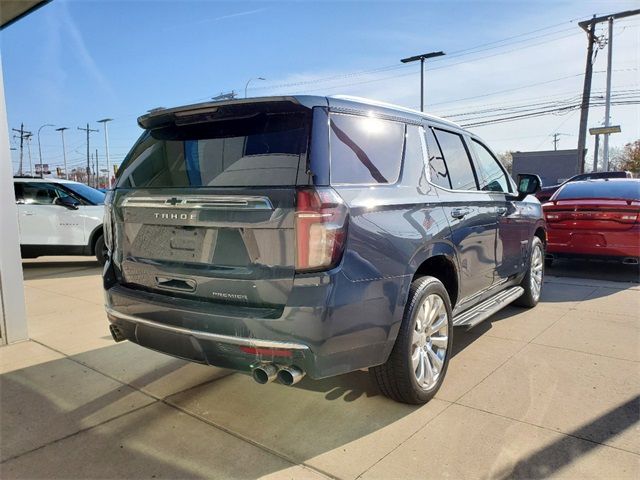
x: 330, y: 326
x: 597, y: 243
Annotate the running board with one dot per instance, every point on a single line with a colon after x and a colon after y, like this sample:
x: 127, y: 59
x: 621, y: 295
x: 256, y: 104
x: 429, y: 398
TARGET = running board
x: 484, y: 310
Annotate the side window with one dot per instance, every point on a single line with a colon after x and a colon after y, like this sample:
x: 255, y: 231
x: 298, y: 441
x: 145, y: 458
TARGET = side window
x: 365, y: 149
x: 40, y: 193
x: 491, y: 175
x: 437, y: 168
x: 17, y: 189
x: 457, y: 160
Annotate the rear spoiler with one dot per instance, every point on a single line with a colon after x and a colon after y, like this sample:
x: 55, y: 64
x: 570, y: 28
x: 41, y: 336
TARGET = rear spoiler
x: 215, y: 111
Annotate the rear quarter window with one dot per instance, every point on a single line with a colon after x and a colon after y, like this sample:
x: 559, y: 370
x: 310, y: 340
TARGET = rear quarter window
x: 365, y: 150
x: 627, y: 190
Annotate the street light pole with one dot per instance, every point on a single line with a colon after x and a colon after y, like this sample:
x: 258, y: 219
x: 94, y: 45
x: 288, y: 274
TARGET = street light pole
x: 104, y: 121
x: 64, y: 151
x: 607, y: 108
x: 40, y: 148
x: 246, y: 87
x: 422, y: 58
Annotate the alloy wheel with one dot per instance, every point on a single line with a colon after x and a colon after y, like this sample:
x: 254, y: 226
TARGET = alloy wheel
x: 430, y: 341
x: 537, y: 270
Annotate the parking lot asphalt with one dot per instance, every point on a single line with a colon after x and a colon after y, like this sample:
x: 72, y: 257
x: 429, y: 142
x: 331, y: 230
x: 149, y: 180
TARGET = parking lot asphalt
x: 548, y: 392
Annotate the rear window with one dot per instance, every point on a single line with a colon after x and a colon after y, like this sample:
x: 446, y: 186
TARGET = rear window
x: 262, y: 150
x: 365, y: 150
x: 627, y: 190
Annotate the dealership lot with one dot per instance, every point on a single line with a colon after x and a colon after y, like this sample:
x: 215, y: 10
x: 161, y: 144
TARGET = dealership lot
x: 553, y: 391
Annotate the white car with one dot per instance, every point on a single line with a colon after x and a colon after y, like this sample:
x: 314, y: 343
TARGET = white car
x: 59, y: 217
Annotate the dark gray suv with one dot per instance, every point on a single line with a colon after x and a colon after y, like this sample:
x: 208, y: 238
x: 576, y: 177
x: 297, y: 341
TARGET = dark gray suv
x: 303, y: 235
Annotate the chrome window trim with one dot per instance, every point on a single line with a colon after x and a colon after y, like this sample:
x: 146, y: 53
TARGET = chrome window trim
x: 216, y: 337
x: 471, y: 165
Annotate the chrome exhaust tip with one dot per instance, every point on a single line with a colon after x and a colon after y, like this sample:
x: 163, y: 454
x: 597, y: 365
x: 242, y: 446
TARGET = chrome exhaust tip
x: 290, y: 375
x: 116, y: 333
x: 265, y: 373
x: 630, y: 261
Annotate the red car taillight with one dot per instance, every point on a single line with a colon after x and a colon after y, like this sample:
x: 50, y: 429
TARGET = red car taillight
x: 592, y: 215
x: 321, y: 227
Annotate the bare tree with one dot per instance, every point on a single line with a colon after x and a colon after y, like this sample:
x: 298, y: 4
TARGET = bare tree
x: 506, y: 158
x: 629, y: 158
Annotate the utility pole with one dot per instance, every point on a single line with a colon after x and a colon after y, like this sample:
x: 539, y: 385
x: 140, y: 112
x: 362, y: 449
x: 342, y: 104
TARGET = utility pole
x: 607, y: 108
x: 28, y: 138
x: 595, y: 154
x: 64, y: 151
x: 104, y: 121
x: 586, y: 95
x: 422, y: 58
x: 589, y: 27
x: 40, y: 148
x: 97, y: 169
x: 556, y: 139
x: 88, y: 130
x: 23, y: 134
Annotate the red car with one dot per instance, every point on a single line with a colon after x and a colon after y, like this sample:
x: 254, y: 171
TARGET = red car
x: 545, y: 193
x: 595, y: 218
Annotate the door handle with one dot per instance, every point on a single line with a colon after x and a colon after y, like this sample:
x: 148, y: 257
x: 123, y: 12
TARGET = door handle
x: 460, y: 212
x: 502, y: 211
x: 27, y: 214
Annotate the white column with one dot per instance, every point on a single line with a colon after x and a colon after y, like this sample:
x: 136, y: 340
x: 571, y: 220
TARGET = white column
x: 13, y: 317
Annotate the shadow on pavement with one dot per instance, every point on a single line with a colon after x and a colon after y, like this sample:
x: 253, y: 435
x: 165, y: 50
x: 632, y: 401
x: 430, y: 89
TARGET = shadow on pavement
x: 59, y: 269
x: 553, y: 457
x: 72, y: 422
x: 595, y: 269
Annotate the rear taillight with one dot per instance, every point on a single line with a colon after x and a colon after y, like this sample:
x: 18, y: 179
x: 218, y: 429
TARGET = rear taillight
x: 321, y: 227
x: 107, y: 220
x: 592, y: 215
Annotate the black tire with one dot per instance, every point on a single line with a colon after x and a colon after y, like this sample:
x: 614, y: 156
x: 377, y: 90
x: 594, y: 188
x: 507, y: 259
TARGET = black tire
x: 530, y: 297
x: 397, y: 378
x: 100, y: 250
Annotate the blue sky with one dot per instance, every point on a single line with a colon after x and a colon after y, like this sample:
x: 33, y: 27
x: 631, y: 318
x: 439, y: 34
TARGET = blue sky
x: 74, y: 62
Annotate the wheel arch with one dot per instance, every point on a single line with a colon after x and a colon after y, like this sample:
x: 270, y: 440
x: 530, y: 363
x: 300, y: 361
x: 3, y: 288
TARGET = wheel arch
x: 93, y: 237
x: 438, y: 260
x: 541, y: 232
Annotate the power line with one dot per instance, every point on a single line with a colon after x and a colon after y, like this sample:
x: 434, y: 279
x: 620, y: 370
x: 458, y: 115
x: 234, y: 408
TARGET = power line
x: 544, y: 112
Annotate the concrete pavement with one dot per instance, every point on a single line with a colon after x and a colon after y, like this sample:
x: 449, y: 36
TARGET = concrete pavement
x: 548, y: 392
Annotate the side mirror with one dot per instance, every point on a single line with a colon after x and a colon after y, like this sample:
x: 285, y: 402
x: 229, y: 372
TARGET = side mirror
x: 528, y: 184
x: 67, y: 202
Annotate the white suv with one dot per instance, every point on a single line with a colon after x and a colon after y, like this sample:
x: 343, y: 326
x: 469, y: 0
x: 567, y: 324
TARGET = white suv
x: 59, y: 217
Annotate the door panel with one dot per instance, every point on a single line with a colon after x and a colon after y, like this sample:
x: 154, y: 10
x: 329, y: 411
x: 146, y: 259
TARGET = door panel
x: 42, y: 222
x: 50, y: 225
x: 471, y: 213
x: 511, y: 240
x: 473, y: 223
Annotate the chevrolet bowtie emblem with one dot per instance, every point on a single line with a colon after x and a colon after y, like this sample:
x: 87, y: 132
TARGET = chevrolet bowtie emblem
x: 173, y: 201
